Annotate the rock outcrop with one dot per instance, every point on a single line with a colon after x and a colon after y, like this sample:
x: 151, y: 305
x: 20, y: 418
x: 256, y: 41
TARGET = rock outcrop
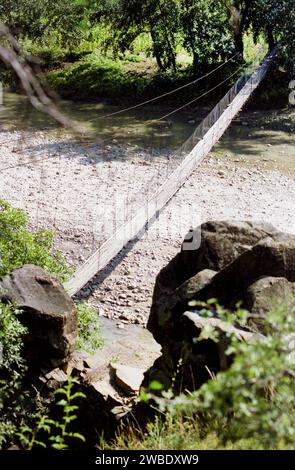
x: 221, y: 244
x: 112, y: 377
x: 48, y: 313
x: 236, y: 262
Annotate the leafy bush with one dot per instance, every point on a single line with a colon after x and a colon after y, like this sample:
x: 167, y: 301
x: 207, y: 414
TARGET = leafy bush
x: 43, y: 20
x: 56, y: 431
x: 17, y: 409
x: 89, y: 330
x: 19, y: 246
x: 94, y: 77
x: 12, y: 368
x: 254, y: 399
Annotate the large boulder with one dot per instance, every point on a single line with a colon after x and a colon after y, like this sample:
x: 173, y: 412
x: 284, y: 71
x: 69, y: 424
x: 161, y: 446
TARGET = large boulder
x: 258, y: 299
x: 221, y: 244
x: 48, y: 313
x: 270, y: 257
x: 236, y: 262
x: 186, y: 363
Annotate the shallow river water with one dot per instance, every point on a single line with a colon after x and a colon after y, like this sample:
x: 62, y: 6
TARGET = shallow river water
x: 266, y: 136
x: 76, y: 189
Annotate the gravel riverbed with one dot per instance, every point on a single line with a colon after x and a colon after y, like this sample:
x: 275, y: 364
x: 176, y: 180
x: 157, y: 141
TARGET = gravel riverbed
x: 83, y: 191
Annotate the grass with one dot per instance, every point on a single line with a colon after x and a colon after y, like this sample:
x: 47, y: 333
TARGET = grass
x: 96, y: 77
x: 89, y: 329
x: 176, y: 434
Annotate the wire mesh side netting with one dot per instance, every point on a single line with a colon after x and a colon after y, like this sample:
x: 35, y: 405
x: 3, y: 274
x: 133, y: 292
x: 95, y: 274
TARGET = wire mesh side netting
x: 86, y: 192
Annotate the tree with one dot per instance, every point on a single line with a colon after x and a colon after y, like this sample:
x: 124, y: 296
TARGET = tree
x: 130, y: 18
x: 41, y: 19
x: 206, y: 30
x: 239, y: 10
x: 276, y: 21
x: 271, y: 18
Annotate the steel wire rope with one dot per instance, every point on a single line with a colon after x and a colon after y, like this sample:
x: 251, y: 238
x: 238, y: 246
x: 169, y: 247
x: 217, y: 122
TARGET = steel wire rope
x: 196, y: 99
x: 153, y: 120
x: 130, y: 108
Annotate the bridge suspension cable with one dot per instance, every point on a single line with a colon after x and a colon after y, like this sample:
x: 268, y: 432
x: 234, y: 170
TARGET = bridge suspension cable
x: 130, y: 108
x: 198, y: 97
x: 190, y: 154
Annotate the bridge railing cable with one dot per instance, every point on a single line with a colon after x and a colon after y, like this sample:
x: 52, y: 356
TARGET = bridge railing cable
x: 164, y: 95
x: 194, y: 150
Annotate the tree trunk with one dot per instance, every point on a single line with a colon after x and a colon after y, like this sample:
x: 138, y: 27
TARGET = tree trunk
x: 159, y: 60
x: 237, y: 30
x: 270, y: 39
x: 195, y: 62
x: 171, y: 53
x: 156, y: 52
x: 239, y: 44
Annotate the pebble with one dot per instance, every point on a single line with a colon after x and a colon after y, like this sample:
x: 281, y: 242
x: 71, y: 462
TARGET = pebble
x: 86, y: 201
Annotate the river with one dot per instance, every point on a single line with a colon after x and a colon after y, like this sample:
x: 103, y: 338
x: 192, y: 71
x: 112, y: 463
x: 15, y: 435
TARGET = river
x: 266, y: 136
x: 83, y: 191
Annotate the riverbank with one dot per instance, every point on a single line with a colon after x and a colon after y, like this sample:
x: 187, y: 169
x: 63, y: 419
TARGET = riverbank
x: 91, y: 76
x: 220, y: 189
x: 82, y: 191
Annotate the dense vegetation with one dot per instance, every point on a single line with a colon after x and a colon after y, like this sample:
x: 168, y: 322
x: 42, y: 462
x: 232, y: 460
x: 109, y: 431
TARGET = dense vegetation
x: 249, y: 406
x: 12, y: 368
x: 19, y: 246
x: 206, y: 29
x: 138, y: 47
x: 18, y: 410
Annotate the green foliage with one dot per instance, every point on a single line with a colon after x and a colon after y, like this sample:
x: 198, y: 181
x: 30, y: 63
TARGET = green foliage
x: 89, y: 330
x: 96, y: 77
x: 209, y: 30
x: 60, y: 439
x: 58, y: 431
x: 201, y: 26
x: 12, y: 368
x: 206, y: 30
x: 276, y: 20
x: 19, y: 246
x: 254, y: 399
x: 174, y: 432
x: 44, y: 19
x: 190, y: 35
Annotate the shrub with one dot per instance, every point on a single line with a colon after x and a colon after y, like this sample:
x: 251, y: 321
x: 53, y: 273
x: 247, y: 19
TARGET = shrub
x: 89, y: 330
x: 12, y: 368
x: 94, y: 77
x: 254, y: 399
x: 19, y: 246
x: 57, y: 433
